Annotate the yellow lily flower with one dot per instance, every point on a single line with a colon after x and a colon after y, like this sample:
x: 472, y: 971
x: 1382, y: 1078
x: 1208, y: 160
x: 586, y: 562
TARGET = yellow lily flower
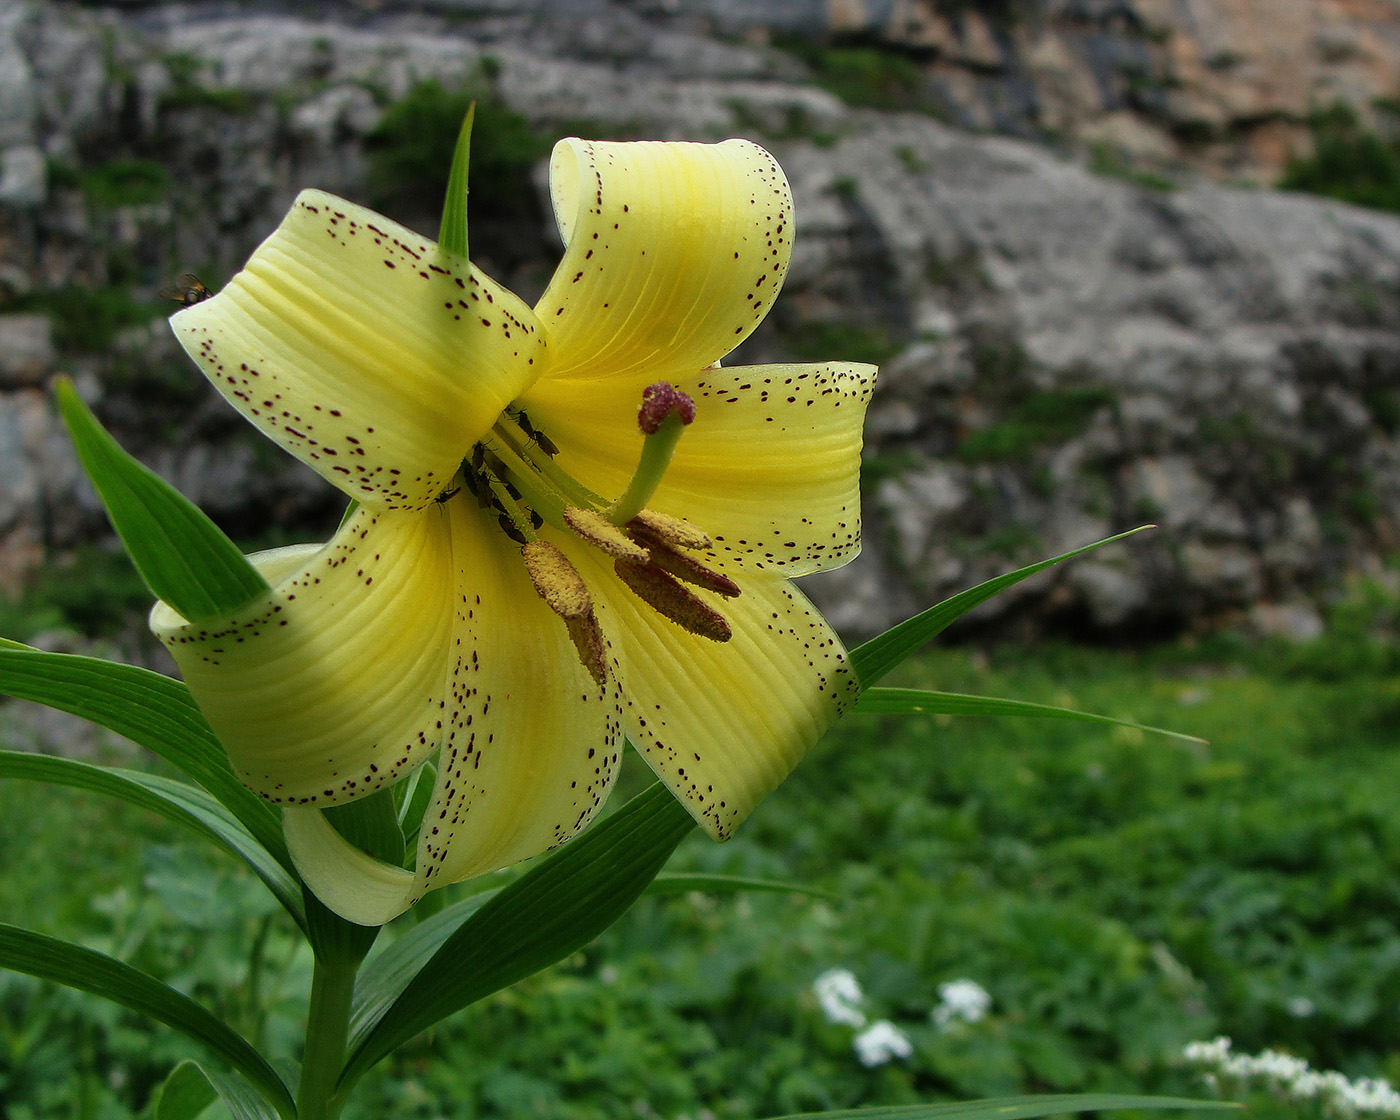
x: 528, y: 574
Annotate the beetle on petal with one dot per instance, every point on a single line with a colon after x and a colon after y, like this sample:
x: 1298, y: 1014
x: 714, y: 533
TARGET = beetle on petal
x: 573, y: 523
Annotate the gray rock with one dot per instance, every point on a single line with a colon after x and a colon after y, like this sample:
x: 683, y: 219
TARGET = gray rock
x: 23, y: 176
x: 26, y: 350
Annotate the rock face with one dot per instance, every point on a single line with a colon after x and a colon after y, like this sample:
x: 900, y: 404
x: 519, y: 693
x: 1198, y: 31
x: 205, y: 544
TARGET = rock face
x: 1218, y: 85
x: 1065, y: 355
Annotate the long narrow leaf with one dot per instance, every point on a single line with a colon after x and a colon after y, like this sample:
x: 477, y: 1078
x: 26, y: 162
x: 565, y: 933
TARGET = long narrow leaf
x: 554, y: 909
x: 452, y: 232
x: 73, y: 966
x: 878, y: 656
x: 185, y: 1094
x: 184, y: 557
x: 912, y: 700
x: 175, y: 801
x: 149, y: 709
x: 1012, y: 1108
x: 684, y: 882
x: 190, y: 1083
x: 385, y: 975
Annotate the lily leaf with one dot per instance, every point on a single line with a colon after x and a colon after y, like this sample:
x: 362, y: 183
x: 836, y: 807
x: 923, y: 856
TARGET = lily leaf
x: 149, y: 709
x: 909, y: 700
x: 452, y: 233
x: 1012, y: 1108
x: 191, y: 1089
x: 385, y: 975
x: 184, y: 557
x: 186, y: 1094
x: 683, y: 882
x: 73, y: 966
x: 878, y: 656
x: 184, y: 804
x: 554, y: 909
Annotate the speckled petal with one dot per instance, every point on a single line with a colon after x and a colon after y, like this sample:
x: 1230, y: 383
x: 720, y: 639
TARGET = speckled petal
x: 333, y: 684
x: 770, y: 468
x: 673, y: 254
x: 722, y: 723
x: 534, y: 741
x: 528, y: 757
x: 360, y: 348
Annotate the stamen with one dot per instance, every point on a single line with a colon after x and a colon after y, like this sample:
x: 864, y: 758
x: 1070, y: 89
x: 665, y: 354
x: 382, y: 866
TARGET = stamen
x: 689, y: 569
x: 506, y: 464
x: 672, y: 530
x: 557, y: 580
x: 505, y: 437
x: 673, y: 600
x: 598, y: 531
x: 664, y: 411
x: 565, y: 593
x: 587, y: 637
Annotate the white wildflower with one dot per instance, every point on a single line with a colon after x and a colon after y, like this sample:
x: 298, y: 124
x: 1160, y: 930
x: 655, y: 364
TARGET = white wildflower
x: 1334, y: 1093
x: 880, y: 1042
x: 1300, y: 1007
x: 838, y: 992
x: 960, y: 999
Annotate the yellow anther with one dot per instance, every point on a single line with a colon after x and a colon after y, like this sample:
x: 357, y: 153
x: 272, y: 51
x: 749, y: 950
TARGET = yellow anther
x: 602, y: 534
x: 672, y: 530
x: 557, y: 580
x: 673, y: 600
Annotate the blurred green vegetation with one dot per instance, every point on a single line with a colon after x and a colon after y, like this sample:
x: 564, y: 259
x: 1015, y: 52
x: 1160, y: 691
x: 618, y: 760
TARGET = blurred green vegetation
x: 410, y: 151
x: 1349, y: 162
x: 1117, y: 894
x: 1038, y: 418
x: 116, y: 182
x: 872, y: 77
x: 848, y: 342
x: 88, y: 319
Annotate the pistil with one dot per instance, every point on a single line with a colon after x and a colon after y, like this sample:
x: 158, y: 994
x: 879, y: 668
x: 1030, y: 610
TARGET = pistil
x: 664, y: 413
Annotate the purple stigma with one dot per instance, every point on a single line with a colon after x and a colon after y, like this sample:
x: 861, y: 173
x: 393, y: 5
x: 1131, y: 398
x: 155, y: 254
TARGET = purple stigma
x: 661, y: 401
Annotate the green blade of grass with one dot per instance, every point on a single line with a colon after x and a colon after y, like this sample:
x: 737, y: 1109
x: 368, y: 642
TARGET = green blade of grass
x: 878, y: 656
x: 1013, y: 1108
x: 913, y: 700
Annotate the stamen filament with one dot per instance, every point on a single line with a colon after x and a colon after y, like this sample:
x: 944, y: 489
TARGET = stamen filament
x: 550, y: 471
x: 510, y: 510
x: 537, y: 495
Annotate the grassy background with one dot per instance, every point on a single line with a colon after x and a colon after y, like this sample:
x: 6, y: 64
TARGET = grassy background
x: 1118, y: 895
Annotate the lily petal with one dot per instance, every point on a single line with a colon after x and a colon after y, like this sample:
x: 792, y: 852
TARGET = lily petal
x: 527, y: 759
x: 722, y: 723
x: 770, y: 468
x: 352, y: 883
x: 673, y: 255
x: 333, y: 683
x: 534, y: 744
x: 366, y: 352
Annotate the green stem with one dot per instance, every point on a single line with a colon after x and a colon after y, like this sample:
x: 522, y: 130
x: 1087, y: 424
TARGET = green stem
x: 327, y: 1027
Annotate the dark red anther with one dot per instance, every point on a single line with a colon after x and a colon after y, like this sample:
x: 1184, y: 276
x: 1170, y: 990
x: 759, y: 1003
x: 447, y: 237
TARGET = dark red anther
x: 661, y: 401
